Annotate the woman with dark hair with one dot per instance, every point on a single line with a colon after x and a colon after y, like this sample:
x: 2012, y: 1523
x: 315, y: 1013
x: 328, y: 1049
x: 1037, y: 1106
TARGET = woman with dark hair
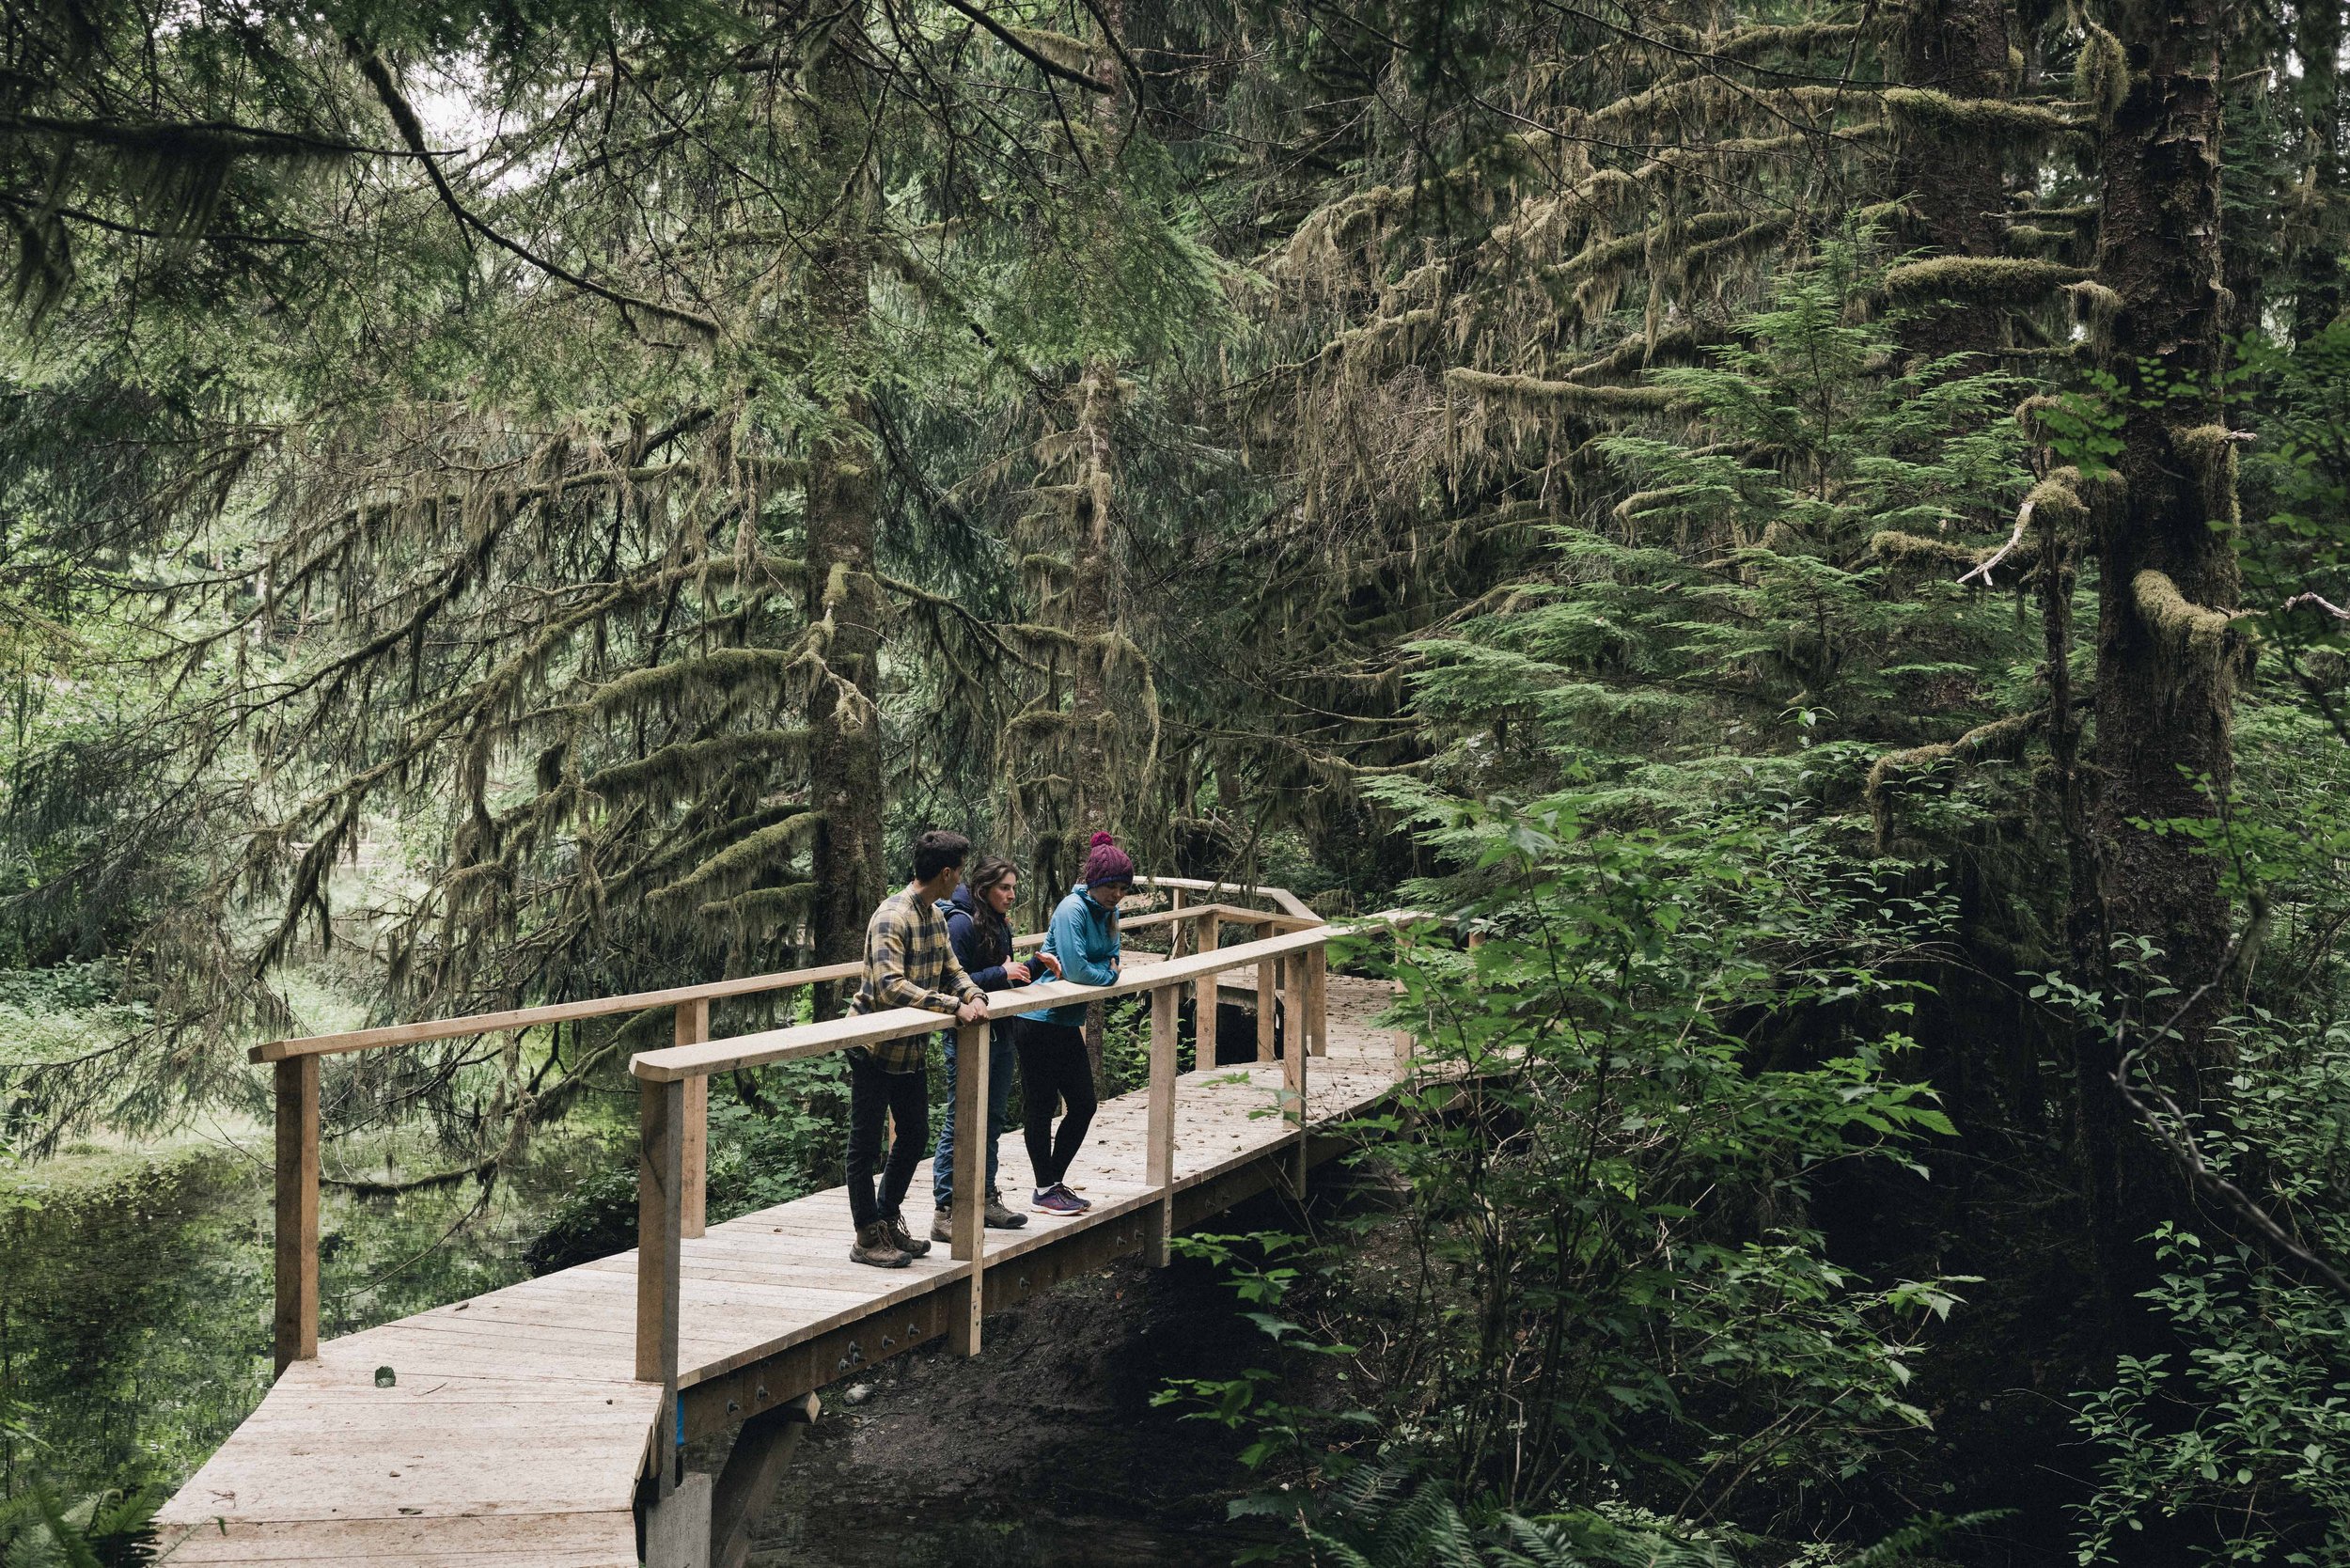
x: 1083, y: 945
x: 978, y: 926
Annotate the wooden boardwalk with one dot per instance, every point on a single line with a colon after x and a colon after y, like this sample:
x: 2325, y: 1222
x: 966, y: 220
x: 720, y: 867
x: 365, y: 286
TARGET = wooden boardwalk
x: 515, y: 1431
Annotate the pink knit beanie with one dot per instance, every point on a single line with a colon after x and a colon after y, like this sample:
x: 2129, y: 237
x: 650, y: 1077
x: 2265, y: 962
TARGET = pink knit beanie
x: 1106, y: 862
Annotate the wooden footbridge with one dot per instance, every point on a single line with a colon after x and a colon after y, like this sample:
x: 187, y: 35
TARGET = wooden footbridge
x: 545, y: 1425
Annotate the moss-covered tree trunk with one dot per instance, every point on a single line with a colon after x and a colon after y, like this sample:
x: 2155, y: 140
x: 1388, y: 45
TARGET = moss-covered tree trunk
x: 843, y: 598
x: 2319, y: 201
x: 1096, y: 798
x: 2167, y: 658
x: 1955, y: 182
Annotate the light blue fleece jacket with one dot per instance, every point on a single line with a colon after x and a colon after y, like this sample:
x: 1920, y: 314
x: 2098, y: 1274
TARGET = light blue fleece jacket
x: 1085, y: 938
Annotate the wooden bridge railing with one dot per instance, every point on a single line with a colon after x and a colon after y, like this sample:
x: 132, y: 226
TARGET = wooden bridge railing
x: 295, y: 1065
x: 1291, y: 962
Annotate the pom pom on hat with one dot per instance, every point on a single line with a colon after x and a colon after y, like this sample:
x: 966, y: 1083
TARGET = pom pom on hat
x: 1106, y: 862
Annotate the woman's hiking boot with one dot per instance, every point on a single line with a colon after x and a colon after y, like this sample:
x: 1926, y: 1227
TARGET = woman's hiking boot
x: 875, y: 1246
x: 907, y: 1243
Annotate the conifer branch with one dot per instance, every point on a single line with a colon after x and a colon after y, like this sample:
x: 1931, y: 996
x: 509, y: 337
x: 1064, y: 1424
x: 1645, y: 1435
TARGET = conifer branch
x: 371, y: 66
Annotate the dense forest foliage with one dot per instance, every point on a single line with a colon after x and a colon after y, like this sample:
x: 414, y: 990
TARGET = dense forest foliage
x: 1809, y: 537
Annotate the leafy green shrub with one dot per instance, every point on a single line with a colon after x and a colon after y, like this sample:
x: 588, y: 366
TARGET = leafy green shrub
x: 1606, y: 1284
x: 2261, y: 1473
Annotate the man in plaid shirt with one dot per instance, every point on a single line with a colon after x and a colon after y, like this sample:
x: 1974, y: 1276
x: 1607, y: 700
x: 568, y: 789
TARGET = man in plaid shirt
x: 908, y: 963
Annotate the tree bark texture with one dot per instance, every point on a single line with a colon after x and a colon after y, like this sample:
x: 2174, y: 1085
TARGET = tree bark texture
x: 2168, y: 659
x: 1957, y: 185
x: 844, y: 603
x: 2315, y: 208
x: 1096, y: 798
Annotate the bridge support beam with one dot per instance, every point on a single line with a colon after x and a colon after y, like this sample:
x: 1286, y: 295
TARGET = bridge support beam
x: 677, y: 1526
x: 1268, y: 1009
x: 1299, y: 987
x: 974, y: 1044
x: 762, y: 1451
x: 1159, y: 1125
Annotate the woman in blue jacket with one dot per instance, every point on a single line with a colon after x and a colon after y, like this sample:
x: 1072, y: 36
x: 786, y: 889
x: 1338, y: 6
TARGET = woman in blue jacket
x: 1053, y: 1067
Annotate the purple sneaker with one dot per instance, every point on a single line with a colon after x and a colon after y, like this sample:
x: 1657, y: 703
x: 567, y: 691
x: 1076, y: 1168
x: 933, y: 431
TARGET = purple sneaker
x: 1055, y: 1199
x: 1066, y: 1191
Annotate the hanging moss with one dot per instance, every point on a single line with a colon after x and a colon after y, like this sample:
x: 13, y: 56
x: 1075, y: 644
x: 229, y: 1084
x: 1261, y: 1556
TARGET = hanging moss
x: 2056, y: 497
x: 1979, y: 277
x: 2101, y: 73
x: 2205, y: 636
x: 1939, y: 114
x: 1059, y: 48
x: 1697, y: 259
x: 2031, y: 240
x: 746, y: 858
x: 760, y: 909
x: 1895, y: 547
x: 685, y: 769
x: 722, y: 669
x: 2096, y: 307
x: 1564, y: 393
x: 2000, y: 738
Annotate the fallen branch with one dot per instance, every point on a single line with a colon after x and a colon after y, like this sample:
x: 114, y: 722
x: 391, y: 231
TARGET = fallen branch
x: 2327, y: 604
x: 2023, y: 521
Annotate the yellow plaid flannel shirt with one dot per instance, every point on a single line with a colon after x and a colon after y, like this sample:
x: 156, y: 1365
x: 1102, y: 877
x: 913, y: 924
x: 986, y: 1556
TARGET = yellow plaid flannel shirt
x: 909, y: 963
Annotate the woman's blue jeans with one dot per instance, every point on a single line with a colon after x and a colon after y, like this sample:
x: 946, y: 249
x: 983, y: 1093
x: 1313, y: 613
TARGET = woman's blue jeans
x: 1001, y: 1056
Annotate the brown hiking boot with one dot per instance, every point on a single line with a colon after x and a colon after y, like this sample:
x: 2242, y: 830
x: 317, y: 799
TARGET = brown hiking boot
x: 907, y: 1242
x: 943, y: 1226
x: 875, y: 1246
x: 1001, y: 1218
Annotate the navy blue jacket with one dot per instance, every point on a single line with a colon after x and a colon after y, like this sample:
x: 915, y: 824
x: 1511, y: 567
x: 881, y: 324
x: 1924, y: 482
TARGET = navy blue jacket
x: 974, y: 942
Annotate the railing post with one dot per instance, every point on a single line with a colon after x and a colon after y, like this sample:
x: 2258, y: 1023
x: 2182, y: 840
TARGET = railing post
x: 692, y: 1029
x: 1301, y: 969
x: 660, y: 1258
x: 1159, y: 1133
x: 1318, y: 998
x: 1204, y: 1001
x: 1176, y: 901
x: 296, y: 1321
x: 1268, y: 980
x: 973, y: 1042
x: 1401, y: 1039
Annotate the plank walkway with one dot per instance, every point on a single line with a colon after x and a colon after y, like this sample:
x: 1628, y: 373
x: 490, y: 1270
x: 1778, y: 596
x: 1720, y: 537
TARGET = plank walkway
x: 515, y: 1432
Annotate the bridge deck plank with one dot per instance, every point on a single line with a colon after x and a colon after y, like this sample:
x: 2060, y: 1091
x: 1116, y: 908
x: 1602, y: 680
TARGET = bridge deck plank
x: 514, y: 1432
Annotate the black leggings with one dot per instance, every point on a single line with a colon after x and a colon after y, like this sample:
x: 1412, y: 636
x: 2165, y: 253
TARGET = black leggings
x: 1054, y: 1069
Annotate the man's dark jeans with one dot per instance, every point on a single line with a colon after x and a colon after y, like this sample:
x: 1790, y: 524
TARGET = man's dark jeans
x: 905, y: 1097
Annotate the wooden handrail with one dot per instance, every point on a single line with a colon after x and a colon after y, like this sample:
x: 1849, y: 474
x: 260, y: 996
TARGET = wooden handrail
x: 296, y: 1064
x: 800, y: 1041
x: 711, y: 991
x: 552, y: 1012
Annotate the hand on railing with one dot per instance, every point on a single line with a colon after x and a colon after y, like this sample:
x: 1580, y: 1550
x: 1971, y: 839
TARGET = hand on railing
x: 972, y: 1011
